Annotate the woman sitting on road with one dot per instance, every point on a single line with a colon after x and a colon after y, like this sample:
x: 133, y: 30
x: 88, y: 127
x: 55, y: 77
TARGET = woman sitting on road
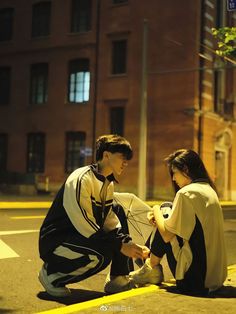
x: 191, y: 235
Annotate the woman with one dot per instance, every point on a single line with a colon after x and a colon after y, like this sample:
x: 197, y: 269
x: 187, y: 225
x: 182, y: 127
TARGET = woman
x: 192, y: 235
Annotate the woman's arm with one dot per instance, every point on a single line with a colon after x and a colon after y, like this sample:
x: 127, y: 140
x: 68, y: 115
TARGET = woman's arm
x: 159, y: 223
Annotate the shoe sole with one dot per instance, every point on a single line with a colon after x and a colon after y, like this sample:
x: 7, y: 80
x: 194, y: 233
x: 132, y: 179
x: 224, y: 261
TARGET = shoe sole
x: 53, y: 293
x: 117, y: 289
x: 144, y: 282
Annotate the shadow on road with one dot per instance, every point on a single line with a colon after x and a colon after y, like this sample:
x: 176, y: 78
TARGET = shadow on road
x: 225, y: 292
x: 77, y: 296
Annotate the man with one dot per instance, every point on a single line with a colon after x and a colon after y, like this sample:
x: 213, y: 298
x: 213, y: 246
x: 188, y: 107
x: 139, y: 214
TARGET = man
x: 83, y: 231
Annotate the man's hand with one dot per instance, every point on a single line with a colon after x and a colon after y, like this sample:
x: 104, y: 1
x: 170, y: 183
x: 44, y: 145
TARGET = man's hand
x: 133, y: 250
x: 146, y: 251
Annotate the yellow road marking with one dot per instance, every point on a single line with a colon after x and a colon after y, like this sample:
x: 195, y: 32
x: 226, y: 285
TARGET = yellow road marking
x: 47, y: 204
x: 106, y: 300
x: 25, y: 204
x: 28, y: 217
x: 75, y: 308
x: 231, y: 269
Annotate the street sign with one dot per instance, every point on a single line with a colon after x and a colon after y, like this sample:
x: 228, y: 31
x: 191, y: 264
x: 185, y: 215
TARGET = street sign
x: 231, y: 5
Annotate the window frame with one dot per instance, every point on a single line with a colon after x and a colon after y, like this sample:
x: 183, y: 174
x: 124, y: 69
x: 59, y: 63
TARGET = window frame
x: 36, y: 164
x: 78, y: 92
x: 72, y: 137
x: 9, y: 33
x: 3, y: 152
x: 120, y: 2
x: 81, y: 18
x: 39, y: 73
x: 115, y: 55
x: 37, y: 31
x: 114, y: 120
x: 5, y: 88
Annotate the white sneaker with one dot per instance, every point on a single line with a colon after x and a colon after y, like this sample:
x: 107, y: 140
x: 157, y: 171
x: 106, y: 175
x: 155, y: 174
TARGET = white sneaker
x: 52, y: 290
x: 147, y: 274
x: 118, y: 284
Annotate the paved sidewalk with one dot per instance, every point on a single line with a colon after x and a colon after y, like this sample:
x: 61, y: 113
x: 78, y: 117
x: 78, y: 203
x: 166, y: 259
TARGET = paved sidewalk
x: 16, y: 201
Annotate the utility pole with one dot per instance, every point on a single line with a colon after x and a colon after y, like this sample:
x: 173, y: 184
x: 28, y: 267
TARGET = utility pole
x: 142, y: 171
x: 94, y: 118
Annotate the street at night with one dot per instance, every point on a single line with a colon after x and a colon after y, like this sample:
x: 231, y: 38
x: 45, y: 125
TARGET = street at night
x: 20, y: 290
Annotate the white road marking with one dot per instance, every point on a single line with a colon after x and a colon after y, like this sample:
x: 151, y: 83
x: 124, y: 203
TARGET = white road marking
x: 2, y: 233
x: 28, y: 217
x: 6, y: 251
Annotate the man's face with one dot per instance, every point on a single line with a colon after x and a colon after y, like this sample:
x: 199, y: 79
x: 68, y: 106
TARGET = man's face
x: 117, y: 162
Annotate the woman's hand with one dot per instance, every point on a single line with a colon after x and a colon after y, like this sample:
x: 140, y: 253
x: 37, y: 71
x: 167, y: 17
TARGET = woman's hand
x: 151, y: 218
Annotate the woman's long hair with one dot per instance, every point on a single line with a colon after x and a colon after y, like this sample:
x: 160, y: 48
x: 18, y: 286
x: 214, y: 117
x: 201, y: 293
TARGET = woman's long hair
x: 188, y: 162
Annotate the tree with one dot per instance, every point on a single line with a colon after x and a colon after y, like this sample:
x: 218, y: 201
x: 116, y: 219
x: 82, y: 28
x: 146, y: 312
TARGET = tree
x: 226, y: 41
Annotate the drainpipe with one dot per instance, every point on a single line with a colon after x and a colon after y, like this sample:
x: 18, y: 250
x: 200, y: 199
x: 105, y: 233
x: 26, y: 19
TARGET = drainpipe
x: 200, y: 119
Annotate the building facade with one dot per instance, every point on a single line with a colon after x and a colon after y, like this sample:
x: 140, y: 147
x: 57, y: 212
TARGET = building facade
x: 73, y: 70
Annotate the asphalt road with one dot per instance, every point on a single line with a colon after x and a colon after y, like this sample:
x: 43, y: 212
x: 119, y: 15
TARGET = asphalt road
x: 20, y: 291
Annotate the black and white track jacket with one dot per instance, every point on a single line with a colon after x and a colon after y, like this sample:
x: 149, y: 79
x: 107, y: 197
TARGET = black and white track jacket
x: 78, y: 207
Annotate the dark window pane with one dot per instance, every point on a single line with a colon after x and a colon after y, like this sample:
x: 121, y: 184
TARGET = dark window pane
x: 39, y: 83
x: 75, y: 150
x: 6, y: 24
x: 79, y: 81
x: 3, y: 152
x: 5, y: 85
x: 36, y: 153
x: 41, y: 19
x: 119, y: 50
x: 219, y: 14
x: 80, y: 16
x: 119, y: 1
x: 117, y: 120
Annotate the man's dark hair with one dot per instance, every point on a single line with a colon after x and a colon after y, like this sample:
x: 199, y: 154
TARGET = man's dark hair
x: 114, y: 144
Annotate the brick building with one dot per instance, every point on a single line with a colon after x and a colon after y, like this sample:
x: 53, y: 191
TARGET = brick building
x: 73, y: 70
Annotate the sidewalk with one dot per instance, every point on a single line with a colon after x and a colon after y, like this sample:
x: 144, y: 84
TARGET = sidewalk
x: 18, y: 201
x: 164, y: 299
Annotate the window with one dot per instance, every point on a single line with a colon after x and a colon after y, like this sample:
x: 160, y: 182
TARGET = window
x: 219, y: 90
x: 3, y: 152
x: 219, y: 14
x: 219, y: 74
x: 79, y: 80
x: 41, y: 19
x: 117, y: 120
x: 119, y: 1
x: 5, y: 85
x: 119, y: 51
x: 80, y: 16
x: 75, y: 148
x: 36, y: 152
x: 39, y: 83
x: 6, y: 24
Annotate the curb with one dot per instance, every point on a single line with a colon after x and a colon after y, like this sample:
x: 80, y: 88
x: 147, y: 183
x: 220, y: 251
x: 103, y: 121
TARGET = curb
x: 103, y: 302
x: 47, y: 204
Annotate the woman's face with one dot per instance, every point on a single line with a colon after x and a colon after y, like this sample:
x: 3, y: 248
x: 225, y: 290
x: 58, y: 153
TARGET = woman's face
x: 180, y: 177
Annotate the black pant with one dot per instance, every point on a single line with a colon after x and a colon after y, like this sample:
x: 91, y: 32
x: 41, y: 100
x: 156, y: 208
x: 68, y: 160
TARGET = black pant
x: 78, y: 258
x: 193, y: 281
